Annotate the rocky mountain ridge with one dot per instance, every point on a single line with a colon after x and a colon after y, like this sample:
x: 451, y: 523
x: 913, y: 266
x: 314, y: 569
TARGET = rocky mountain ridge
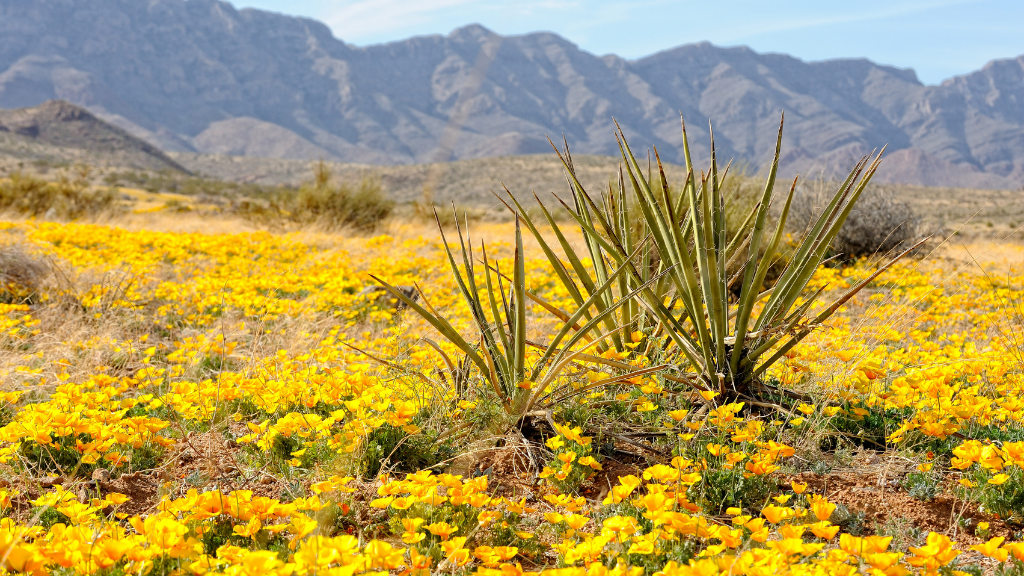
x: 62, y: 132
x: 201, y: 76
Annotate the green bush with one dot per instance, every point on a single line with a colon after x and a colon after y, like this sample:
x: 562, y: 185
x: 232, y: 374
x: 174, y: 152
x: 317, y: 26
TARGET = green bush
x: 70, y: 197
x: 338, y: 206
x: 1005, y: 499
x: 722, y: 488
x: 393, y: 448
x: 320, y: 203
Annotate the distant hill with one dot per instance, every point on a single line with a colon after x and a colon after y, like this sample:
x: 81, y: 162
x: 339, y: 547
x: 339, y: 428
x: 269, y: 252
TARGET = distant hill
x: 201, y: 76
x: 57, y: 131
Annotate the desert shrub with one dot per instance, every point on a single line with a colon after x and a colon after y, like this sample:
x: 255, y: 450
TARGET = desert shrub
x: 866, y: 427
x: 341, y: 205
x: 70, y: 197
x: 724, y: 488
x: 321, y: 203
x: 191, y: 185
x: 849, y: 521
x: 923, y: 486
x: 390, y: 447
x: 881, y: 223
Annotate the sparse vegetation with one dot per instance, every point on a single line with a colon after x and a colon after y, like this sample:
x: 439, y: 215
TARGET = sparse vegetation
x: 322, y: 203
x: 180, y: 183
x: 69, y: 197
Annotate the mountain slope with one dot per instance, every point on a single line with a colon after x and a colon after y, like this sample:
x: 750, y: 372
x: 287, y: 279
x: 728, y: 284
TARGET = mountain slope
x: 59, y: 131
x: 200, y: 76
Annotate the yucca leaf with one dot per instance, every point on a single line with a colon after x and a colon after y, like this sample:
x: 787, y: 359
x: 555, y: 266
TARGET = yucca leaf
x: 756, y: 273
x: 699, y: 214
x: 557, y: 358
x: 556, y: 263
x: 741, y: 237
x: 444, y: 357
x: 498, y: 324
x: 469, y: 292
x: 672, y: 245
x: 437, y: 322
x: 803, y: 258
x: 588, y: 228
x: 559, y: 365
x: 691, y: 348
x: 800, y: 280
x: 831, y: 309
x: 716, y: 281
x: 598, y: 293
x: 791, y: 321
x: 519, y: 285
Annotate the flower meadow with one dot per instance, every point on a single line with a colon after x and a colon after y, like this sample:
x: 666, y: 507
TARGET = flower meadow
x: 184, y: 403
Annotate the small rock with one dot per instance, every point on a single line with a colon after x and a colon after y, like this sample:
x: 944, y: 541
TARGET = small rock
x: 101, y: 475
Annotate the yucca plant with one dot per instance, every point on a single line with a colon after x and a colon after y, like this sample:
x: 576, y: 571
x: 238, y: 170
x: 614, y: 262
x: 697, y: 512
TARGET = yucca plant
x: 725, y: 344
x: 626, y: 228
x: 498, y: 306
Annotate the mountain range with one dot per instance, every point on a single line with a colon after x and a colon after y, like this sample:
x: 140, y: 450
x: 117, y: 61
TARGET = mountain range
x: 201, y: 76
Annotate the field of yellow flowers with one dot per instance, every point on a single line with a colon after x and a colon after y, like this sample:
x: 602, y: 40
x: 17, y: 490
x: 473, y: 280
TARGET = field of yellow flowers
x: 249, y: 404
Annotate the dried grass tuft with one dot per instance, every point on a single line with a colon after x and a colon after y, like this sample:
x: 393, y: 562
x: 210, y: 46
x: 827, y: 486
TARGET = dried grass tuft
x: 23, y: 272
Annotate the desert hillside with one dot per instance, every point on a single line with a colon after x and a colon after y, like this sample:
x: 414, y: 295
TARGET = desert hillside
x: 200, y: 76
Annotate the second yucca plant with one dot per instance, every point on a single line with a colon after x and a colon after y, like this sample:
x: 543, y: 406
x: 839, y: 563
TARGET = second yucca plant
x: 498, y: 306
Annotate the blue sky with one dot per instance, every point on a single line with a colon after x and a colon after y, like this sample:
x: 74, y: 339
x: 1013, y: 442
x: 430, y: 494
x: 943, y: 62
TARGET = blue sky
x: 938, y: 38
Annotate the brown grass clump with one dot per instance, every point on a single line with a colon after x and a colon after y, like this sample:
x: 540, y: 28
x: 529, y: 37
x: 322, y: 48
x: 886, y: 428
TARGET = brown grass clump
x: 22, y: 273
